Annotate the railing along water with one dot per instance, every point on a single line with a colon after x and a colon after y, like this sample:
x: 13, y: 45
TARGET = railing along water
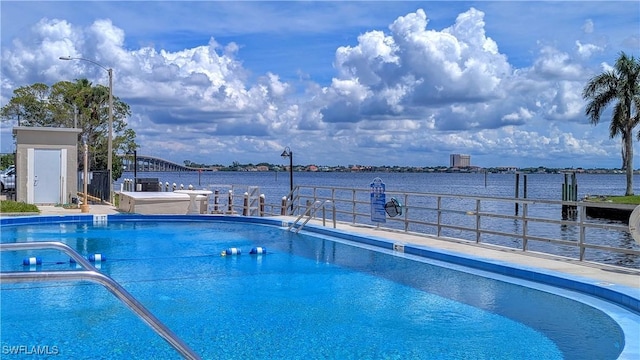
x: 538, y: 227
x: 541, y: 226
x: 91, y: 274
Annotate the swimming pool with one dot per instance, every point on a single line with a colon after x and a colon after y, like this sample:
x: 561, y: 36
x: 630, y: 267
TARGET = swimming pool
x: 311, y: 296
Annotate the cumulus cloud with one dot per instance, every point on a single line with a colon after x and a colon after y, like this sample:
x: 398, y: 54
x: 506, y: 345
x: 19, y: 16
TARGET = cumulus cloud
x: 200, y: 90
x: 564, y: 101
x: 408, y: 87
x: 419, y: 71
x: 554, y: 64
x: 517, y: 116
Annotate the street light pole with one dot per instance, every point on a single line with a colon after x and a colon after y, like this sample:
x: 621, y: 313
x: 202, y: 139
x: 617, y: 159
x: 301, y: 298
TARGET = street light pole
x: 110, y: 134
x: 135, y: 170
x: 85, y: 202
x: 288, y: 153
x: 110, y: 137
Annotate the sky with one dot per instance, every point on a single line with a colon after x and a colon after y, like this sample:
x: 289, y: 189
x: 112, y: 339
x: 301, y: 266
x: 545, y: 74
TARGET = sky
x: 338, y: 82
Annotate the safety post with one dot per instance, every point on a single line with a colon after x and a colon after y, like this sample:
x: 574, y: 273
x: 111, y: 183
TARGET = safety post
x: 283, y: 210
x: 245, y: 204
x: 216, y: 194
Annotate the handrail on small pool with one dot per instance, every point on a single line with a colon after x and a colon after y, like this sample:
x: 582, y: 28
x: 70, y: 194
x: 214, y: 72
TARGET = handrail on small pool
x: 310, y: 212
x: 91, y: 274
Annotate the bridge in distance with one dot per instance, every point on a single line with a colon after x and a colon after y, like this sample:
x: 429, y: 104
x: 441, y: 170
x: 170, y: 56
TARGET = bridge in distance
x: 152, y: 163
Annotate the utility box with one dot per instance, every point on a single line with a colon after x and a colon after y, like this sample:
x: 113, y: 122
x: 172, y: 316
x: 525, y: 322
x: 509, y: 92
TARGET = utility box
x: 148, y: 184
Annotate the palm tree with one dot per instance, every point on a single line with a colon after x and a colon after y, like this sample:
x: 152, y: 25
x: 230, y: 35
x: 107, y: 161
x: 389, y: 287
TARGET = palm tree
x: 622, y: 85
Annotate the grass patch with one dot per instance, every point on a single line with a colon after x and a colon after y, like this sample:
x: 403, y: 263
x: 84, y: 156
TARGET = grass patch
x: 633, y: 200
x: 10, y: 206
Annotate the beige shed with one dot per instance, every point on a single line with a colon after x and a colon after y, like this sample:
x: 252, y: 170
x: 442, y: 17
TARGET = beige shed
x: 46, y: 164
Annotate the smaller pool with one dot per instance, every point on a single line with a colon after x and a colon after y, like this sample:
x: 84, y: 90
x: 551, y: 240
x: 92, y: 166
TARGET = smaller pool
x: 311, y: 295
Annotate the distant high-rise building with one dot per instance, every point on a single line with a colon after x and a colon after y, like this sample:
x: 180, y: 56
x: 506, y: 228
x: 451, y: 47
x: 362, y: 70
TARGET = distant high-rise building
x: 460, y: 160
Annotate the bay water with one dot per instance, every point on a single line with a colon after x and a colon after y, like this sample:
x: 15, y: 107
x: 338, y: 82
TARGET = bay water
x: 275, y: 186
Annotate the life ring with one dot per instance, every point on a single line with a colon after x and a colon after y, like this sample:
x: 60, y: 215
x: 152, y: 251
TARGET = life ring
x: 393, y: 207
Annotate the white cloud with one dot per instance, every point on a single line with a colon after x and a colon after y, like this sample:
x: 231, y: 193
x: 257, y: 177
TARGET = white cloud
x: 554, y: 64
x: 606, y: 67
x: 521, y: 114
x: 563, y: 101
x: 407, y: 88
x: 418, y: 69
x: 588, y: 26
x: 586, y: 50
x: 367, y: 60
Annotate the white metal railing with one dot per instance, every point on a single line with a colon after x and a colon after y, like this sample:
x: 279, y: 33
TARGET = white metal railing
x: 520, y: 223
x: 526, y: 224
x: 310, y: 212
x: 91, y: 274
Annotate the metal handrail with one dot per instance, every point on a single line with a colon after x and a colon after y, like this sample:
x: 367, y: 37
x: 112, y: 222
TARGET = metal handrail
x: 431, y: 214
x: 91, y: 274
x: 310, y: 212
x: 306, y: 212
x: 291, y: 200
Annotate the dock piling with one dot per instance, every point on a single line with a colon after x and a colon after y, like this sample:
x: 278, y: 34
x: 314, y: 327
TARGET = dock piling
x: 570, y: 193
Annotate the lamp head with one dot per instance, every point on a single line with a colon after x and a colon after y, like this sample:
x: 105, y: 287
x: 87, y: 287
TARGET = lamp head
x: 65, y: 58
x: 286, y: 152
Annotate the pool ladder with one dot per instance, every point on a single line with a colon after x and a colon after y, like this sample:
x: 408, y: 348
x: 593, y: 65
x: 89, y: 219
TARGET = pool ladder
x: 310, y: 212
x: 91, y: 274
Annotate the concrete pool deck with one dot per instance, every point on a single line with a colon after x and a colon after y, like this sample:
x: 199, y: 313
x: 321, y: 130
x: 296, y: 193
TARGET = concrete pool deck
x: 600, y: 274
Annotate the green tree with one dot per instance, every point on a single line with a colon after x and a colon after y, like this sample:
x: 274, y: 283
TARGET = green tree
x: 6, y: 160
x: 76, y: 104
x: 622, y: 86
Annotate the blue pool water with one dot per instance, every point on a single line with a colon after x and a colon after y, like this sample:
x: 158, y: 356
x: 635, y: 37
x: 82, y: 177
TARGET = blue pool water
x: 308, y: 297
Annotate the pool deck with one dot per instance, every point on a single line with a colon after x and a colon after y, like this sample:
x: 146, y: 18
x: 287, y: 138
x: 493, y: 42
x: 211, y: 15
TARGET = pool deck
x: 597, y: 273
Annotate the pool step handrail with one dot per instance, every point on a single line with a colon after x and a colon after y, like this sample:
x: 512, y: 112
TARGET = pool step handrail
x: 90, y: 273
x: 310, y: 212
x: 305, y: 213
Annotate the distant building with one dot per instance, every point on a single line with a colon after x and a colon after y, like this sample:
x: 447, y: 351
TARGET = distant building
x: 507, y: 169
x: 460, y: 160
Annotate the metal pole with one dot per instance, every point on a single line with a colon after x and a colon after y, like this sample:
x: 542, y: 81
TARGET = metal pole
x: 135, y: 170
x: 291, y: 179
x: 517, y: 194
x: 110, y: 134
x: 85, y: 202
x: 110, y: 137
